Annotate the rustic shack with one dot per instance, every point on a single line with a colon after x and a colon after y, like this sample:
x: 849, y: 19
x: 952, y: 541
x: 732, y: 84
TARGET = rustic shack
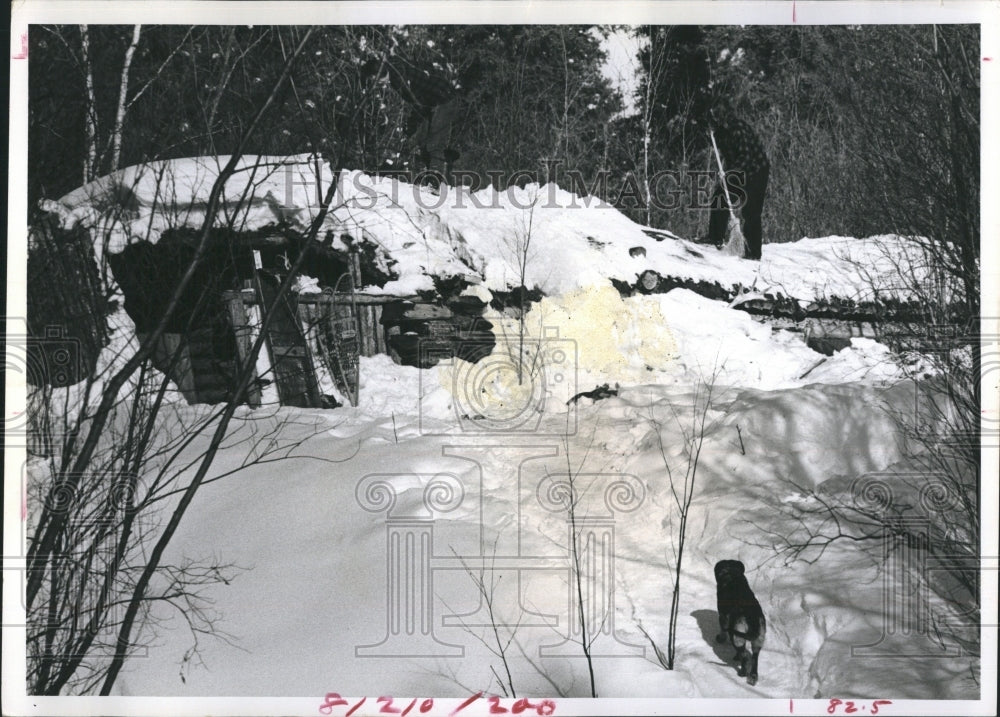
x: 315, y: 333
x: 390, y: 272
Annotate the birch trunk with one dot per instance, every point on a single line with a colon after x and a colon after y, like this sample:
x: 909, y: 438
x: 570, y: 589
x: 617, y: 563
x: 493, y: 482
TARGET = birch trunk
x: 116, y: 136
x: 90, y: 111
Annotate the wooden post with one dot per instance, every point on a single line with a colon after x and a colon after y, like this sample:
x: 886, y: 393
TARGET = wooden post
x: 308, y: 327
x: 379, y: 332
x: 356, y: 268
x: 290, y: 357
x: 238, y: 320
x: 366, y: 315
x: 371, y: 328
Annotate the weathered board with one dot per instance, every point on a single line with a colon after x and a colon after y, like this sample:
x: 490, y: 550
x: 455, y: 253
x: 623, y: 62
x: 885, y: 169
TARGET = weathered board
x: 291, y: 359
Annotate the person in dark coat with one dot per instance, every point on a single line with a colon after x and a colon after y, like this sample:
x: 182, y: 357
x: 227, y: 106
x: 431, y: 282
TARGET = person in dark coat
x: 747, y: 170
x: 434, y: 105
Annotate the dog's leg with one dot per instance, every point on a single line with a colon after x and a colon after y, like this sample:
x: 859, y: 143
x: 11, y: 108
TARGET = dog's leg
x: 742, y: 657
x: 723, y: 629
x: 757, y: 645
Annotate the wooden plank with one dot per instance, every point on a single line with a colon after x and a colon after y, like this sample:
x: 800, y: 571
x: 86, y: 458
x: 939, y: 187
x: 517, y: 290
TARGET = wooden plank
x: 366, y: 343
x: 293, y: 373
x: 242, y: 331
x: 356, y: 268
x: 380, y: 344
x: 308, y: 359
x: 311, y: 320
x: 250, y: 299
x: 290, y: 350
x: 211, y: 383
x: 368, y: 329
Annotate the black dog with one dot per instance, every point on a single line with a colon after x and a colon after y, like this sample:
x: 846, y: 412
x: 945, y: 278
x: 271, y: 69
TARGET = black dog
x: 740, y: 616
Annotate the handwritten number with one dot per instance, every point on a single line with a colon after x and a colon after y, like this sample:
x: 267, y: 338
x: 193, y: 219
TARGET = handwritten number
x: 331, y: 700
x: 387, y: 708
x: 876, y: 703
x: 545, y: 707
x: 850, y: 707
x: 833, y: 706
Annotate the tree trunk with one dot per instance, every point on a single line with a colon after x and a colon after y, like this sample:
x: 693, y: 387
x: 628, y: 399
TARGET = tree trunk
x: 90, y: 111
x: 116, y: 136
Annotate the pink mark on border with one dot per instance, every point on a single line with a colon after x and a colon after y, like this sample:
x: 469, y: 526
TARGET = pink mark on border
x: 793, y: 11
x: 23, y: 54
x: 987, y: 59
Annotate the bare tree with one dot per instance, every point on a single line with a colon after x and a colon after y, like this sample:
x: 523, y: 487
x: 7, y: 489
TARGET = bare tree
x: 95, y: 553
x: 90, y: 111
x: 520, y: 246
x: 500, y: 634
x: 682, y: 481
x: 922, y: 146
x: 572, y: 499
x: 119, y: 126
x: 657, y: 67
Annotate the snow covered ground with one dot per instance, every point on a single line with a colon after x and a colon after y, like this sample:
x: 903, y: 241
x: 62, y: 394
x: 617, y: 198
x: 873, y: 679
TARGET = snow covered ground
x: 317, y: 582
x: 359, y: 557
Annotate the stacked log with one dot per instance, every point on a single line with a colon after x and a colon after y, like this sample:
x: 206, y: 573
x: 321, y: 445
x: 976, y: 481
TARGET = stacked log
x: 423, y: 334
x: 777, y: 305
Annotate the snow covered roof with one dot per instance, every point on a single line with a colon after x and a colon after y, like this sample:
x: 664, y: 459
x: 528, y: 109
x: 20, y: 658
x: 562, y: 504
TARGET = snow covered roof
x: 571, y: 242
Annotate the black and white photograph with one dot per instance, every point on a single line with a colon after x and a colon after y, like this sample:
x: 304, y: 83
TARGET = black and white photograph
x: 501, y: 358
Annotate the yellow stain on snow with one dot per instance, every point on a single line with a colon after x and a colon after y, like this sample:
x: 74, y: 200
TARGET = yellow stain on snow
x: 572, y: 343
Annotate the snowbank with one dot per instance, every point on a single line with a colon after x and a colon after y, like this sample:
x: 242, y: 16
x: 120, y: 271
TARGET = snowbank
x: 315, y: 588
x: 571, y: 243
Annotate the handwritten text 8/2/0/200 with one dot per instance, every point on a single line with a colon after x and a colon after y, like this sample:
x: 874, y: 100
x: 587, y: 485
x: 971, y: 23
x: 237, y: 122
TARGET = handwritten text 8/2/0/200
x: 544, y: 707
x: 518, y: 706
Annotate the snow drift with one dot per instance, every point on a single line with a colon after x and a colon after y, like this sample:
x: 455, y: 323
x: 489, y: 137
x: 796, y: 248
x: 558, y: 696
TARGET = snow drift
x: 575, y: 242
x: 315, y: 599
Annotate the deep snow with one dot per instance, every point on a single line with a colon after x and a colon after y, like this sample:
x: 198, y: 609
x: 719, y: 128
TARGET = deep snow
x: 574, y: 242
x: 315, y: 588
x: 315, y: 549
